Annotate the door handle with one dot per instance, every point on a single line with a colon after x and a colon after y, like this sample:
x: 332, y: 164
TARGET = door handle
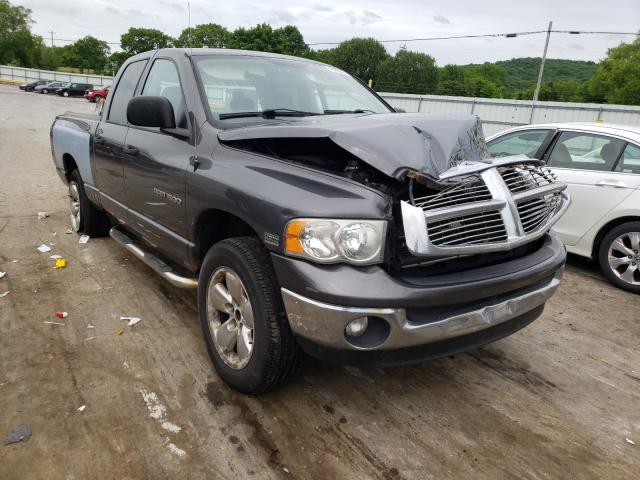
x: 611, y: 183
x: 129, y: 150
x: 98, y: 140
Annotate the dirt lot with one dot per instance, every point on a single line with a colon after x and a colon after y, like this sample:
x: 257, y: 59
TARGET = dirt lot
x: 556, y: 400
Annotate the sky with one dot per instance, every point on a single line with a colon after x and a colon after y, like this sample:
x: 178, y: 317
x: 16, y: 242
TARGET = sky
x: 337, y: 20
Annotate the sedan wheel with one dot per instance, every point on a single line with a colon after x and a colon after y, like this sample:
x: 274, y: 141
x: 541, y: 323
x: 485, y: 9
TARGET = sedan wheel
x: 74, y: 206
x: 45, y: 91
x: 624, y: 257
x: 230, y: 317
x: 65, y: 94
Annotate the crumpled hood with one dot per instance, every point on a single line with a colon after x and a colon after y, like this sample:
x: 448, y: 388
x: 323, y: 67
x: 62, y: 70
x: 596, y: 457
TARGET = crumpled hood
x: 393, y: 143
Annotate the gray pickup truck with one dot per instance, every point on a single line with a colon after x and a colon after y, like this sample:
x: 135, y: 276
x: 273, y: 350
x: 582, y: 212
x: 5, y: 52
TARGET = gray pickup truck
x: 310, y: 215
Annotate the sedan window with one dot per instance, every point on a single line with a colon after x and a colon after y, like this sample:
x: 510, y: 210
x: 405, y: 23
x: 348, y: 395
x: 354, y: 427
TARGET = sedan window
x: 585, y: 151
x: 525, y: 142
x: 630, y: 161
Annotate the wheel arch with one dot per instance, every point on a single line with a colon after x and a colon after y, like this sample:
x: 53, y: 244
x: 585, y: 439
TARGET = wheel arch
x: 214, y: 225
x: 606, y: 228
x: 69, y: 164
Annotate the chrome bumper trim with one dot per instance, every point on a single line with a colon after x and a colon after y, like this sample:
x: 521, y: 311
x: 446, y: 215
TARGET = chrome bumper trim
x: 324, y: 323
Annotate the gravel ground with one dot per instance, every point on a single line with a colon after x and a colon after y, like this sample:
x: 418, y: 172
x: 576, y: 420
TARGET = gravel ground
x: 558, y: 399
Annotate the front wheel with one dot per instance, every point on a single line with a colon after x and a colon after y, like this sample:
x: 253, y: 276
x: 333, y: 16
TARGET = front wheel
x: 65, y: 94
x: 619, y: 256
x: 44, y: 90
x: 243, y: 319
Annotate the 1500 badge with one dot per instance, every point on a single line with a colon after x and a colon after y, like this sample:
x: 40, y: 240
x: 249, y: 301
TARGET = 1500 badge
x: 167, y: 196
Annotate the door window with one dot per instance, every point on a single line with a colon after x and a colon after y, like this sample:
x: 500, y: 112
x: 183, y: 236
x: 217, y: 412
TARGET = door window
x: 163, y: 81
x: 630, y: 161
x: 124, y: 91
x: 585, y: 151
x: 527, y: 143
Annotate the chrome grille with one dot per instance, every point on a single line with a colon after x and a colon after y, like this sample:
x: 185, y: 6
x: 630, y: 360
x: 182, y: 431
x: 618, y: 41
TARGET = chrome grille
x: 520, y: 178
x: 489, y: 209
x: 482, y: 227
x: 537, y: 211
x: 473, y: 190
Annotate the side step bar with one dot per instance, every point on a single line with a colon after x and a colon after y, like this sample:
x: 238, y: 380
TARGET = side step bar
x: 152, y: 261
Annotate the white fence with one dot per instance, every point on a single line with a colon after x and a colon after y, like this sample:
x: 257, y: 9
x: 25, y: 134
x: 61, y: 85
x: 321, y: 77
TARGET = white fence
x: 27, y: 75
x: 498, y: 114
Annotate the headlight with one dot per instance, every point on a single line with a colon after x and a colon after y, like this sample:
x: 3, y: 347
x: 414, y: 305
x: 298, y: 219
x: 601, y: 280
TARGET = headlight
x: 331, y: 241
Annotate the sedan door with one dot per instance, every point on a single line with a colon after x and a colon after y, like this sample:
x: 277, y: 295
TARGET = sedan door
x: 586, y: 162
x: 155, y: 169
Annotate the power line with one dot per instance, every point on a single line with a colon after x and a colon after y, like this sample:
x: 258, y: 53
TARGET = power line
x: 449, y: 37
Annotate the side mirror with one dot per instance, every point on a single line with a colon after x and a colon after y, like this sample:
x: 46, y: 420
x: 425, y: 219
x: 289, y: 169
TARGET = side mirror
x: 400, y: 110
x: 150, y: 111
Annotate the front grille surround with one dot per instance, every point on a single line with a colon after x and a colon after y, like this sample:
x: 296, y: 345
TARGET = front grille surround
x: 494, y: 208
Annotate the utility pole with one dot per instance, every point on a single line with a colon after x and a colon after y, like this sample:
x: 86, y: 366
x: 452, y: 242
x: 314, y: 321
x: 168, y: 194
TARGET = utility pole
x: 51, y: 32
x: 536, y: 93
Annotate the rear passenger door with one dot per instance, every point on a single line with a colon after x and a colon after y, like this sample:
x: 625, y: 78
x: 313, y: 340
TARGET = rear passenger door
x: 585, y: 162
x: 109, y: 141
x: 155, y: 168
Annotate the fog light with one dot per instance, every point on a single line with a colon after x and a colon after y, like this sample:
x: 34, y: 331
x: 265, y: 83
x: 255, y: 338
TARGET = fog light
x: 357, y: 327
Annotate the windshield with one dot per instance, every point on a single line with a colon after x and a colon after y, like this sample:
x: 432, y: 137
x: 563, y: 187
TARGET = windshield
x: 235, y: 84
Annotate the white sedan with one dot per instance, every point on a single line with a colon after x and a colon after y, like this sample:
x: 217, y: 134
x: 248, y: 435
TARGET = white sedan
x: 601, y: 166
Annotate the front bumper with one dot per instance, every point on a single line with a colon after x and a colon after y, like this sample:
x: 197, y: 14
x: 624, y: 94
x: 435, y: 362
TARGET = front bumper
x: 464, y: 309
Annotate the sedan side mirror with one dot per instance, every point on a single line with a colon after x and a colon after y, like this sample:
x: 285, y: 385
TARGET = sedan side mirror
x: 150, y: 111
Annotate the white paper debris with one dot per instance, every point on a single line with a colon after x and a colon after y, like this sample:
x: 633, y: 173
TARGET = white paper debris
x: 5, y: 293
x: 84, y: 239
x: 2, y: 274
x: 69, y: 232
x: 178, y: 451
x: 16, y: 260
x: 90, y: 326
x: 156, y: 409
x: 44, y: 248
x: 81, y: 409
x: 42, y: 215
x: 171, y: 427
x: 55, y: 257
x: 54, y: 323
x: 132, y: 320
x: 629, y: 441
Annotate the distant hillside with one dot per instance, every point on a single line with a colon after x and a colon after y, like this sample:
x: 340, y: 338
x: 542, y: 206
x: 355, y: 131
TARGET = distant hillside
x: 523, y: 72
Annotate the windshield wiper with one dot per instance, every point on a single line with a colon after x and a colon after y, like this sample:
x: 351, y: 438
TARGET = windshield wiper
x: 268, y: 113
x: 337, y: 112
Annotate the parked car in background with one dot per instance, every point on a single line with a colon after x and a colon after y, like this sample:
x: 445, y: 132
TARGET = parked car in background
x: 96, y: 94
x: 308, y: 214
x: 50, y: 87
x: 601, y: 166
x: 74, y: 89
x: 29, y: 87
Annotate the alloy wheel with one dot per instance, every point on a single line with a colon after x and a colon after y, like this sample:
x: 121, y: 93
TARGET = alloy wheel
x: 74, y: 206
x: 230, y: 317
x: 624, y: 257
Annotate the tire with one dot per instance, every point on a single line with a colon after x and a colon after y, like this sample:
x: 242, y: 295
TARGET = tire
x: 274, y: 356
x: 85, y: 216
x: 45, y: 91
x: 65, y: 94
x: 619, y: 256
x: 96, y: 98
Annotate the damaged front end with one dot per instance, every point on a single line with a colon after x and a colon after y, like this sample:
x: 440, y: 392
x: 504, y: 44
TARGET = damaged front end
x: 449, y: 199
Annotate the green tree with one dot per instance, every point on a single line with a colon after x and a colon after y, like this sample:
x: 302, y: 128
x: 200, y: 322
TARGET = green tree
x: 452, y: 81
x: 209, y: 35
x: 17, y: 44
x: 114, y: 62
x: 360, y: 57
x: 617, y: 79
x: 408, y: 72
x: 287, y: 40
x: 90, y: 53
x: 138, y: 40
x: 324, y: 56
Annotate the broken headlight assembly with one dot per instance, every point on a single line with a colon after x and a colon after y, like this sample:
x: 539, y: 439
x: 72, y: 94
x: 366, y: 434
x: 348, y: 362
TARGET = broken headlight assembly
x: 359, y: 242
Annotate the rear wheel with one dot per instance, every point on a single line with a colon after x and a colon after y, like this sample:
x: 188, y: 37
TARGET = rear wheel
x: 44, y: 90
x: 243, y: 319
x: 619, y: 256
x: 84, y: 215
x: 65, y: 94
